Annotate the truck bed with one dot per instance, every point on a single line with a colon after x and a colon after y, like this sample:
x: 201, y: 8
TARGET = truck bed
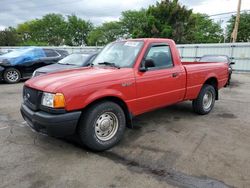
x: 198, y: 71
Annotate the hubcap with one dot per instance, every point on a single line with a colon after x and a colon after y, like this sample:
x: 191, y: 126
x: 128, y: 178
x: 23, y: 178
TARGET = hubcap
x: 12, y: 76
x: 106, y: 126
x: 207, y: 100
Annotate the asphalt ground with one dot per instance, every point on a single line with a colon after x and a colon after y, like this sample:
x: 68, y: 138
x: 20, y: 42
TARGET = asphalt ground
x: 170, y: 147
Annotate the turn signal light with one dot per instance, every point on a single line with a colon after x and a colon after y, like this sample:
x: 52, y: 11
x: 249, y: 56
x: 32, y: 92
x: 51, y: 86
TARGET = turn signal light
x: 59, y: 100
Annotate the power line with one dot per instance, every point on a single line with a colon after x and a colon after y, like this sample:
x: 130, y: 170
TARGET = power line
x: 222, y: 18
x: 234, y: 12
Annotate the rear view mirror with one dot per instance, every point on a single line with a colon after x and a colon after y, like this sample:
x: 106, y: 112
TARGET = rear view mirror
x: 148, y: 63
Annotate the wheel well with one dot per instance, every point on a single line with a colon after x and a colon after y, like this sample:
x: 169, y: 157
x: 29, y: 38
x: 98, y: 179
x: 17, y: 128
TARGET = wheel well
x: 213, y: 82
x: 13, y: 68
x: 118, y: 101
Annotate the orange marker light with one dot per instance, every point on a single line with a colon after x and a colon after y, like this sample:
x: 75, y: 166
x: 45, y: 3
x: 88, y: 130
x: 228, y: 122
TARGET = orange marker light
x: 59, y: 101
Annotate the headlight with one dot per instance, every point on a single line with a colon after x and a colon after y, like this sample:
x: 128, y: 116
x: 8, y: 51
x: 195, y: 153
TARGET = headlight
x: 53, y: 100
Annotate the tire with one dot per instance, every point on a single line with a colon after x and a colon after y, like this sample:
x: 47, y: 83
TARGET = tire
x: 106, y: 117
x: 12, y: 75
x: 229, y: 79
x: 205, y: 100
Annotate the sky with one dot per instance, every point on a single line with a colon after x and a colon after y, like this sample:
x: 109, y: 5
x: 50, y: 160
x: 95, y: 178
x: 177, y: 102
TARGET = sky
x: 14, y: 12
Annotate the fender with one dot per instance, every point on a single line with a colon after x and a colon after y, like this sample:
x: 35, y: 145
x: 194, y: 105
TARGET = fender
x: 211, y: 75
x: 103, y: 94
x: 112, y: 94
x: 194, y: 92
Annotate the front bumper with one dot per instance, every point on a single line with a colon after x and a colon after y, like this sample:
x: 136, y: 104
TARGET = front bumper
x: 56, y: 125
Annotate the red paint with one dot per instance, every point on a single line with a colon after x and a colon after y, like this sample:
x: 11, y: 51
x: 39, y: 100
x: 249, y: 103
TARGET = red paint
x: 146, y: 90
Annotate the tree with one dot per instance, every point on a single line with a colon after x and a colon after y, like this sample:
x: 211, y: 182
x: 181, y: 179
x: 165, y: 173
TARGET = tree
x: 9, y: 37
x: 96, y: 37
x: 54, y: 29
x: 107, y: 32
x: 50, y: 30
x: 205, y: 30
x: 24, y: 31
x: 166, y: 19
x: 77, y: 31
x: 135, y: 23
x: 244, y: 29
x: 170, y: 19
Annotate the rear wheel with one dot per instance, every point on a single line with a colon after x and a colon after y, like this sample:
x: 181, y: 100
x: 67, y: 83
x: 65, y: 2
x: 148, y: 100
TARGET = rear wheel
x: 205, y: 101
x: 102, y: 126
x: 12, y: 75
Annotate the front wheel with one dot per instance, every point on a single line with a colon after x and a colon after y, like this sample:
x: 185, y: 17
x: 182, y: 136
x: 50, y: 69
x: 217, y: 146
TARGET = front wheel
x: 12, y: 75
x: 205, y: 101
x: 102, y: 126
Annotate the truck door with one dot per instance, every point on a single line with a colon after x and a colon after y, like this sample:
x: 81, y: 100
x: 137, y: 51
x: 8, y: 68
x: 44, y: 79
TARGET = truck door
x: 163, y: 83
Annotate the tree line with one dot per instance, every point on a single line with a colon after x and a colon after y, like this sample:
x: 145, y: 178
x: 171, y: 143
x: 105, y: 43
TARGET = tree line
x: 167, y: 19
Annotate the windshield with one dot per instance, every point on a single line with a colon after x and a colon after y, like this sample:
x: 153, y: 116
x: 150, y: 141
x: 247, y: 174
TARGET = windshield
x: 120, y: 54
x: 75, y: 59
x: 213, y: 59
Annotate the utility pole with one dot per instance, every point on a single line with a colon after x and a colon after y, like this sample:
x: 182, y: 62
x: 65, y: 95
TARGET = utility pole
x: 236, y: 26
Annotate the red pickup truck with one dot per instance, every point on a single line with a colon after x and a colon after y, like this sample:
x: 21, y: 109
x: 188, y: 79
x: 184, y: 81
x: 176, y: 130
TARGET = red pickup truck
x: 126, y: 79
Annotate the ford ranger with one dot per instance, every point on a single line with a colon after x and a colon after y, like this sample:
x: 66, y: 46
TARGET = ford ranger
x: 126, y: 79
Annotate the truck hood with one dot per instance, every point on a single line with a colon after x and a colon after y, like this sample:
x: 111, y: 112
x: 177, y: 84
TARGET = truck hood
x: 75, y: 78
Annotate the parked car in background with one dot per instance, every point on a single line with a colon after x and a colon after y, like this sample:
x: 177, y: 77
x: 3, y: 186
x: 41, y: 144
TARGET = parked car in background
x: 20, y: 64
x: 219, y: 58
x: 72, y: 61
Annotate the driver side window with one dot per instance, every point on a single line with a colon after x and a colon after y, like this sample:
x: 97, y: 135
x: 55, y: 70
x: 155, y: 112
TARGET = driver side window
x: 161, y: 56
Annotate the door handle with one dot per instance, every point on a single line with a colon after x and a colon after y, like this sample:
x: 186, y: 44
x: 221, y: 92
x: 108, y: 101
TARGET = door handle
x: 176, y: 74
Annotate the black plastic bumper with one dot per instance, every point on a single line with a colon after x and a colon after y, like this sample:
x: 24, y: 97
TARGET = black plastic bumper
x: 56, y: 125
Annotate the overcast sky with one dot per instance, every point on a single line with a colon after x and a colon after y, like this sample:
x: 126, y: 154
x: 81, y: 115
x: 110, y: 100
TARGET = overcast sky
x: 13, y: 12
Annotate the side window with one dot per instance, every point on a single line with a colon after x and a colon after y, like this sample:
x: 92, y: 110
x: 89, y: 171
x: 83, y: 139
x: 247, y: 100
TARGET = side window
x: 50, y: 53
x: 161, y: 56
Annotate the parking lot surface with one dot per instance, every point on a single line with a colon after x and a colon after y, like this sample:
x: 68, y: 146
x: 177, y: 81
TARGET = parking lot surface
x: 170, y: 147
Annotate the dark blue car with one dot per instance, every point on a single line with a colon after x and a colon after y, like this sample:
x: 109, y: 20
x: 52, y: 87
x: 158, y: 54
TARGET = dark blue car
x: 20, y: 64
x: 72, y: 61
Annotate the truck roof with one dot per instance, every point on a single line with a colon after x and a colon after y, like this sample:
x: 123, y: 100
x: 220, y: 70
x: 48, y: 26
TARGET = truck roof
x: 151, y: 39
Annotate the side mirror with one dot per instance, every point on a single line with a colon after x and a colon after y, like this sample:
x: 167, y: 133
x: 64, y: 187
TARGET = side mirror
x: 148, y: 63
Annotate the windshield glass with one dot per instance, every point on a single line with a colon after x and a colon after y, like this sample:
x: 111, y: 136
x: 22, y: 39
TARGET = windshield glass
x: 121, y: 54
x: 213, y: 59
x: 75, y: 59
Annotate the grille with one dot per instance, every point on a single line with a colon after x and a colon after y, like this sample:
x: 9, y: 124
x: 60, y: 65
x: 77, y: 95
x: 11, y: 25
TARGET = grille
x: 31, y: 97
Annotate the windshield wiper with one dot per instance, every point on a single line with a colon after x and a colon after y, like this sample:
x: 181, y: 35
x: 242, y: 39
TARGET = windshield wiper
x: 109, y: 64
x: 64, y: 63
